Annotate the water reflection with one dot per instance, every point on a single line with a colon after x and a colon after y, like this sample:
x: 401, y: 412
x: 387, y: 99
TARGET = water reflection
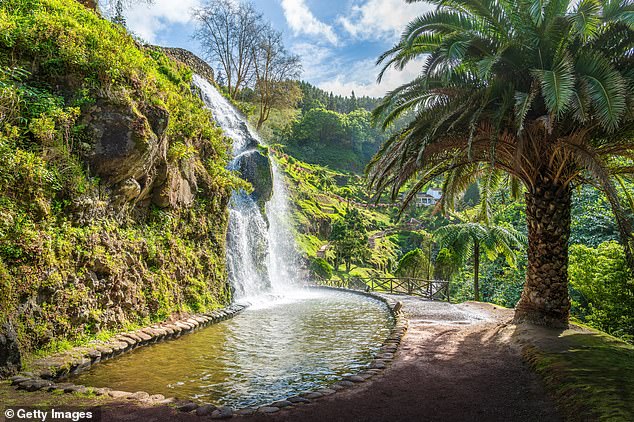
x: 264, y: 354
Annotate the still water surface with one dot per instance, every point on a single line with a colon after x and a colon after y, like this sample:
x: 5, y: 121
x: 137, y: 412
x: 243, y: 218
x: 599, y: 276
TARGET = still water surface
x: 270, y: 351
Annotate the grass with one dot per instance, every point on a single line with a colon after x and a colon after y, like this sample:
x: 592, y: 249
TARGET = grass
x: 589, y: 373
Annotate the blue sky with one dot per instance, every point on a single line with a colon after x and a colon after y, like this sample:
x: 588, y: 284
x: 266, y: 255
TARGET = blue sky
x: 338, y: 40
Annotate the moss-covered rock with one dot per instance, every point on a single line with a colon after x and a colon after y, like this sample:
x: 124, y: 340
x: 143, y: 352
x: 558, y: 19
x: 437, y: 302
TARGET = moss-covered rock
x: 255, y: 168
x: 113, y: 184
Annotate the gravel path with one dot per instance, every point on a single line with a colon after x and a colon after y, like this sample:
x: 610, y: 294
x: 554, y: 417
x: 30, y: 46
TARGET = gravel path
x: 454, y: 364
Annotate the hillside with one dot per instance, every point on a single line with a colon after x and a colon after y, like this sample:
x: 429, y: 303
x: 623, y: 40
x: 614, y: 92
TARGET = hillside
x: 113, y: 188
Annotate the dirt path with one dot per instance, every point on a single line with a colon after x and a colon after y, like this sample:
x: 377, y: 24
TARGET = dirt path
x: 455, y: 364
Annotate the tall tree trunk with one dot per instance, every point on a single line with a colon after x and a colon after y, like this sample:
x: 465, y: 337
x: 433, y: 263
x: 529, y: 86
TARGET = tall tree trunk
x: 476, y: 271
x: 545, y: 299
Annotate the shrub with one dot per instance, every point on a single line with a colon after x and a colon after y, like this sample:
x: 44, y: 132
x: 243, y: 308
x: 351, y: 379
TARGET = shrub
x: 321, y: 268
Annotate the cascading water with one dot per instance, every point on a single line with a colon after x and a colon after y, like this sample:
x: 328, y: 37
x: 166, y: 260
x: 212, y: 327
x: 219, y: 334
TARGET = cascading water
x: 261, y: 257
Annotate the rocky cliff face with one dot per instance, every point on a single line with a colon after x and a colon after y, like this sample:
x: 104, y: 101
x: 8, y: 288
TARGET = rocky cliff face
x: 113, y: 188
x: 10, y: 359
x: 188, y: 58
x: 255, y: 168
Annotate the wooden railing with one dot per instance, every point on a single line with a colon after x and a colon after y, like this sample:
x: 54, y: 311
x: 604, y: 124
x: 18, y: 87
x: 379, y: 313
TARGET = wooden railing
x: 429, y: 289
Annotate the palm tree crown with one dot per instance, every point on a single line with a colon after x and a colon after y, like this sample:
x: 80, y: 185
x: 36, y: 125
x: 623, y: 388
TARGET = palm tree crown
x: 542, y: 90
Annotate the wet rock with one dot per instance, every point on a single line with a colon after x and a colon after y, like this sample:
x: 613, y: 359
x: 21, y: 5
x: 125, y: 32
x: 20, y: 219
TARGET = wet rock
x: 255, y: 168
x: 224, y: 412
x: 143, y: 336
x: 377, y: 364
x: 345, y: 383
x: 60, y: 386
x: 140, y: 395
x: 268, y: 409
x: 34, y: 385
x: 282, y: 404
x: 247, y: 411
x: 206, y: 409
x: 355, y: 378
x: 134, y: 336
x: 298, y: 399
x: 10, y: 358
x: 188, y: 407
x: 311, y: 395
x: 326, y: 391
x: 94, y: 355
x: 115, y: 394
x: 18, y: 379
x: 79, y: 389
x: 182, y: 326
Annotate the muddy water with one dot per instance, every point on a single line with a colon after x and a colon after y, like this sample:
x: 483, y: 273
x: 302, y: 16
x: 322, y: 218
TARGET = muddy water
x: 272, y: 350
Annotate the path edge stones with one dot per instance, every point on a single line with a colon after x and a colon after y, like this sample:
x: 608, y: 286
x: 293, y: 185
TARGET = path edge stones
x: 47, y: 373
x: 49, y: 370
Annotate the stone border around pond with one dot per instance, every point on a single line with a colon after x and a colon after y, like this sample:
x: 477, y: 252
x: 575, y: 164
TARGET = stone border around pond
x: 79, y: 359
x: 48, y: 371
x: 380, y: 362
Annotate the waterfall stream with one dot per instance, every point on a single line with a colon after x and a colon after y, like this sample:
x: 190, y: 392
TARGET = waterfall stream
x: 261, y: 254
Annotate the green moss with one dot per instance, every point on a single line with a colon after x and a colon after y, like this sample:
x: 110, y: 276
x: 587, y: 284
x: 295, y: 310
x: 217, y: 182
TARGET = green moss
x: 590, y: 374
x: 75, y: 278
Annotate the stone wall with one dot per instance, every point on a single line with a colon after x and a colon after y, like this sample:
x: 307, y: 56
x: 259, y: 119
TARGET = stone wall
x: 197, y: 64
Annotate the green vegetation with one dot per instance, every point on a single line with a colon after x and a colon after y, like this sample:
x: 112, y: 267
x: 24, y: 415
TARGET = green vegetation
x: 589, y: 373
x: 349, y: 239
x: 551, y: 108
x: 78, y: 257
x: 415, y: 264
x: 602, y: 288
x: 467, y: 240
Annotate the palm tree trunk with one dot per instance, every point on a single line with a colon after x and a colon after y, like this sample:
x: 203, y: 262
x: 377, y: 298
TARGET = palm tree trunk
x: 545, y: 299
x: 476, y: 271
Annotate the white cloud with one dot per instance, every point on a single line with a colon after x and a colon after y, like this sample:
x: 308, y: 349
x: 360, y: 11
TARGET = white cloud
x: 381, y: 19
x: 148, y: 21
x: 330, y: 71
x: 302, y: 21
x: 361, y: 78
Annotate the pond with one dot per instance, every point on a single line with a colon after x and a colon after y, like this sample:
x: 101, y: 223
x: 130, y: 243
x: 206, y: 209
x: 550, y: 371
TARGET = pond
x: 272, y: 350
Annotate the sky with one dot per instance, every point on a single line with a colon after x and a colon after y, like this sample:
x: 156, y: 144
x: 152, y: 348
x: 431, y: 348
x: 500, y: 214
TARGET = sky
x: 337, y: 40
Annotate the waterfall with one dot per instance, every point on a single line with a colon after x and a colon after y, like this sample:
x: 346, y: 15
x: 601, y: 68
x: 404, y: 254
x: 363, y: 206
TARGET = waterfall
x: 261, y: 254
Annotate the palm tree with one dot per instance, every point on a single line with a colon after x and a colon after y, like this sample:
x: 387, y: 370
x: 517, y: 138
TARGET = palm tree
x: 466, y: 239
x: 542, y: 90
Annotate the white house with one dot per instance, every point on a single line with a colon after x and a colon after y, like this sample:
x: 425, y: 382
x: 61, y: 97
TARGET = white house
x: 426, y: 199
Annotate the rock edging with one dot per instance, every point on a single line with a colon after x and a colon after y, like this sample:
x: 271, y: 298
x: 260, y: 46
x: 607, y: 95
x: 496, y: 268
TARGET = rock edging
x: 47, y: 372
x: 381, y: 361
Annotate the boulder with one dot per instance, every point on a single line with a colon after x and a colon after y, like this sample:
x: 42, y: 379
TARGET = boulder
x: 10, y: 358
x: 255, y: 168
x: 130, y: 155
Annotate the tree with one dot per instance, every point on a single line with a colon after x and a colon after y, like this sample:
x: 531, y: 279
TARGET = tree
x: 229, y: 31
x: 114, y: 8
x: 274, y: 70
x: 415, y: 264
x: 320, y: 126
x: 470, y: 239
x: 540, y: 90
x: 119, y: 18
x: 349, y: 239
x: 602, y: 288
